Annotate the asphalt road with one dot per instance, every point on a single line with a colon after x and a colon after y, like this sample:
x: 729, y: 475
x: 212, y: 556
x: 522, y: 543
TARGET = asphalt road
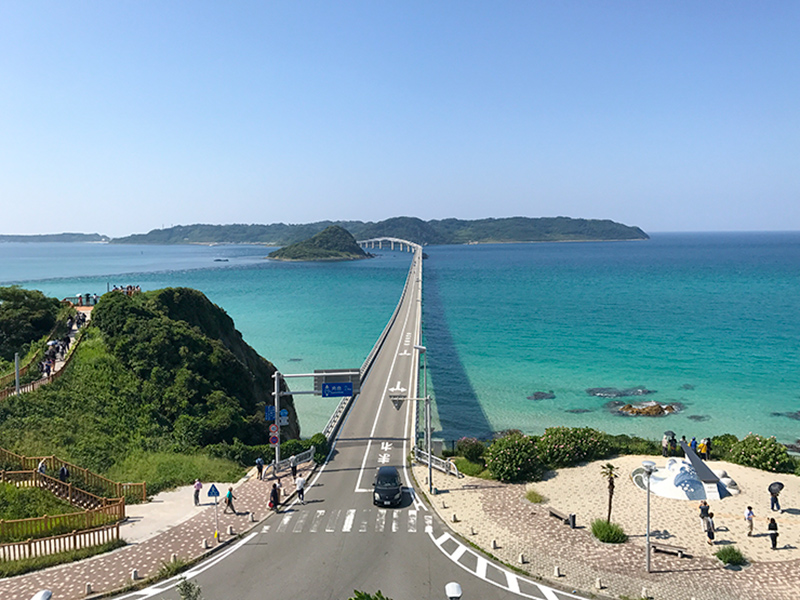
x: 339, y: 541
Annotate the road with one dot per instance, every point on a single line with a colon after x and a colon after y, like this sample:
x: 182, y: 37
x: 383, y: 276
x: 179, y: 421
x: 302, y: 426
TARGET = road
x: 339, y: 541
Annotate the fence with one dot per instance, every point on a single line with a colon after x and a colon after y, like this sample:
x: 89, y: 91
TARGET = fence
x: 299, y: 459
x: 59, y: 543
x: 85, y: 478
x: 440, y: 464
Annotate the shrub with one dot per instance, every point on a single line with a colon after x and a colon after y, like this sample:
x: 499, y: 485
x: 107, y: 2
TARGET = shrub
x: 514, y: 458
x: 534, y: 497
x: 721, y: 445
x: 469, y: 468
x: 470, y: 448
x: 566, y: 446
x: 731, y: 555
x: 609, y: 533
x: 762, y: 453
x: 631, y: 444
x: 320, y: 443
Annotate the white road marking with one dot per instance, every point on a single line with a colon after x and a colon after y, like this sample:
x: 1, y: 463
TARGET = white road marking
x: 284, y: 523
x: 386, y: 446
x: 480, y: 570
x: 513, y: 582
x: 412, y: 521
x: 395, y: 524
x: 362, y: 528
x: 331, y: 527
x: 348, y: 520
x: 459, y: 551
x: 298, y: 527
x: 384, y: 458
x: 380, y: 521
x: 317, y: 520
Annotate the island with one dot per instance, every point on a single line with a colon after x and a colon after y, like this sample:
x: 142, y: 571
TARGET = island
x: 413, y: 229
x: 55, y: 237
x: 333, y: 243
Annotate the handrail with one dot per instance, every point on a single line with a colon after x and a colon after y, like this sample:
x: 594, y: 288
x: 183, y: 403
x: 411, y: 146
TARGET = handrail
x: 299, y: 459
x: 59, y: 543
x: 445, y: 466
x: 333, y: 422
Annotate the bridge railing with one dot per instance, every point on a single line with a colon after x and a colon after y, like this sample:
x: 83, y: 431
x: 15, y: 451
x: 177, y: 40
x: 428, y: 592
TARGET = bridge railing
x: 440, y: 464
x: 336, y: 417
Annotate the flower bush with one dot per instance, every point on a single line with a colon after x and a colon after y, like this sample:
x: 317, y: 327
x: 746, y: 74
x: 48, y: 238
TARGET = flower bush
x: 514, y: 458
x: 470, y: 448
x: 762, y: 453
x: 567, y: 446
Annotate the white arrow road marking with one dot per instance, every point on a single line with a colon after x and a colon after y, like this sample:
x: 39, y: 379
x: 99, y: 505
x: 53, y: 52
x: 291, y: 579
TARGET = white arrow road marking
x: 397, y: 388
x: 404, y: 353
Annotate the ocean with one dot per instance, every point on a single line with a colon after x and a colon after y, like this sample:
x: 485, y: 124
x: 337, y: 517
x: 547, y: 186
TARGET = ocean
x: 710, y: 321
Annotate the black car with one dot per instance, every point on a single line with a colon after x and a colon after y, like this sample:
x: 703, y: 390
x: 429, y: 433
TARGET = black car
x: 388, y: 490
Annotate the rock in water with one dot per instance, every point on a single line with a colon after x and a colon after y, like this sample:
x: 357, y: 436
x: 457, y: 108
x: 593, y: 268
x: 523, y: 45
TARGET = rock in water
x: 542, y: 396
x: 607, y: 392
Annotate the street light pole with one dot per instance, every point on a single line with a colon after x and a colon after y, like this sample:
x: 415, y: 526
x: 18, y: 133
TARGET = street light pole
x: 424, y: 351
x: 649, y: 468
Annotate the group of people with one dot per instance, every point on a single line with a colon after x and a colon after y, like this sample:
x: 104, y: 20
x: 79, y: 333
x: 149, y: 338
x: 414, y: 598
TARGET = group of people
x: 707, y: 522
x: 274, y: 494
x: 669, y: 446
x: 63, y: 472
x: 129, y: 290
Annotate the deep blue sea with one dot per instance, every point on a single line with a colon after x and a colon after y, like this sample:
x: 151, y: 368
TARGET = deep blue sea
x: 711, y: 321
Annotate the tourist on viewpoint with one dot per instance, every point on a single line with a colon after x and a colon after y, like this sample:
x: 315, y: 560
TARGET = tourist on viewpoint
x: 300, y: 485
x: 772, y: 528
x: 260, y: 467
x: 274, y: 497
x: 229, y: 498
x: 749, y: 515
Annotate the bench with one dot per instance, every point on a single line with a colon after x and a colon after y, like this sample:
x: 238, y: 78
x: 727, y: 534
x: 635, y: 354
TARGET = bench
x: 681, y: 552
x: 569, y: 519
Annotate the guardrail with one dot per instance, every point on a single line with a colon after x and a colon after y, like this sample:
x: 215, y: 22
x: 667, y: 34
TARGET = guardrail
x: 336, y: 417
x: 299, y: 459
x: 59, y: 543
x: 440, y: 464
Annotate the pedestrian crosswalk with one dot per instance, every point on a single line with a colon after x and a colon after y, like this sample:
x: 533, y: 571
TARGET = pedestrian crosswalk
x: 349, y: 520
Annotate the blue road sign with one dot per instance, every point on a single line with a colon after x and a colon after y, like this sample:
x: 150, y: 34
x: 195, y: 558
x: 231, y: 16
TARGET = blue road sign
x: 284, y: 412
x: 213, y: 492
x: 337, y: 390
x: 269, y: 412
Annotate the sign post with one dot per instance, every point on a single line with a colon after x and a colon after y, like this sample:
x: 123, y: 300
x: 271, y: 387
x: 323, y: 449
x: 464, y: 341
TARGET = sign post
x: 213, y: 492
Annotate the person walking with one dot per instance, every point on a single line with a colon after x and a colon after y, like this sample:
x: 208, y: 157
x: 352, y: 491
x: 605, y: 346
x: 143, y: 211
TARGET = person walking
x: 42, y: 468
x: 229, y: 498
x: 300, y: 485
x: 665, y: 446
x: 774, y: 504
x: 260, y: 467
x: 704, y: 508
x: 693, y: 445
x: 197, y: 487
x: 701, y: 449
x: 709, y: 523
x: 293, y: 464
x: 683, y: 441
x: 274, y: 497
x: 749, y: 515
x: 63, y: 473
x: 772, y: 528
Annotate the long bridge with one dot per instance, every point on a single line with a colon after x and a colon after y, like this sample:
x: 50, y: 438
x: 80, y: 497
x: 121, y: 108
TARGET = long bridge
x: 338, y: 540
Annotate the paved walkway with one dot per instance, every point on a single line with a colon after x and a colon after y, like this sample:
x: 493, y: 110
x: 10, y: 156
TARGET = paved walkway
x: 500, y: 512
x: 153, y: 544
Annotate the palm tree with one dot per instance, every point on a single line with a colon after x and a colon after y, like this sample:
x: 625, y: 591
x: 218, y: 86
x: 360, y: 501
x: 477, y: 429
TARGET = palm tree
x: 609, y: 472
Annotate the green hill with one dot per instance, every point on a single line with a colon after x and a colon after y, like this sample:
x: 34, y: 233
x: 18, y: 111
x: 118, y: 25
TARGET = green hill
x: 447, y: 231
x: 333, y: 243
x: 161, y: 386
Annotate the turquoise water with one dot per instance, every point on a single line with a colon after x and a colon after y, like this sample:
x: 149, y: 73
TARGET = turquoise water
x: 707, y: 320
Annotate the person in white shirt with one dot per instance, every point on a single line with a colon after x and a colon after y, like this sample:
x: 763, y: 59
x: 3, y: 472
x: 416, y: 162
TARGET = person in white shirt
x: 300, y: 486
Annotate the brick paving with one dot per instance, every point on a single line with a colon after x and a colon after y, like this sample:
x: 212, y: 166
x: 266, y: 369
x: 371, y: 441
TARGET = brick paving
x: 500, y: 512
x: 112, y: 571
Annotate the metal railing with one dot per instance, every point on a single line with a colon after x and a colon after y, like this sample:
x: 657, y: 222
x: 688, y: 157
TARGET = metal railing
x: 440, y: 464
x: 336, y: 417
x: 59, y: 543
x: 299, y: 459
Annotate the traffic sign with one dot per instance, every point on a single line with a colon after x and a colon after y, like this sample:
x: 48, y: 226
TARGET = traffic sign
x: 269, y: 412
x: 213, y: 492
x: 337, y: 390
x: 274, y: 440
x: 284, y: 412
x: 273, y: 428
x: 283, y: 421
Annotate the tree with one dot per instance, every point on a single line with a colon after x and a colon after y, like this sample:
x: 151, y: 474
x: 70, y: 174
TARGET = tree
x: 365, y: 596
x: 189, y: 590
x: 609, y: 472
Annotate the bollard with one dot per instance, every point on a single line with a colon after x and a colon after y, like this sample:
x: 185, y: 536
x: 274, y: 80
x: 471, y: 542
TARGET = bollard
x: 444, y: 504
x: 173, y: 558
x: 252, y: 517
x: 230, y: 529
x: 472, y: 530
x: 205, y: 544
x: 494, y: 545
x: 644, y: 593
x: 556, y: 572
x: 455, y: 519
x: 134, y: 574
x: 598, y: 584
x: 88, y: 589
x: 522, y: 560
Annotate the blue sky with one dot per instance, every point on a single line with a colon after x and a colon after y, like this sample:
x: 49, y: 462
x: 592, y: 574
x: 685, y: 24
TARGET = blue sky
x: 120, y: 117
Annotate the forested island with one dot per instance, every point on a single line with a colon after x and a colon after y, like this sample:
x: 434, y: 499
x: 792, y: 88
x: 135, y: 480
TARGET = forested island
x: 447, y: 231
x: 332, y: 243
x: 56, y: 237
